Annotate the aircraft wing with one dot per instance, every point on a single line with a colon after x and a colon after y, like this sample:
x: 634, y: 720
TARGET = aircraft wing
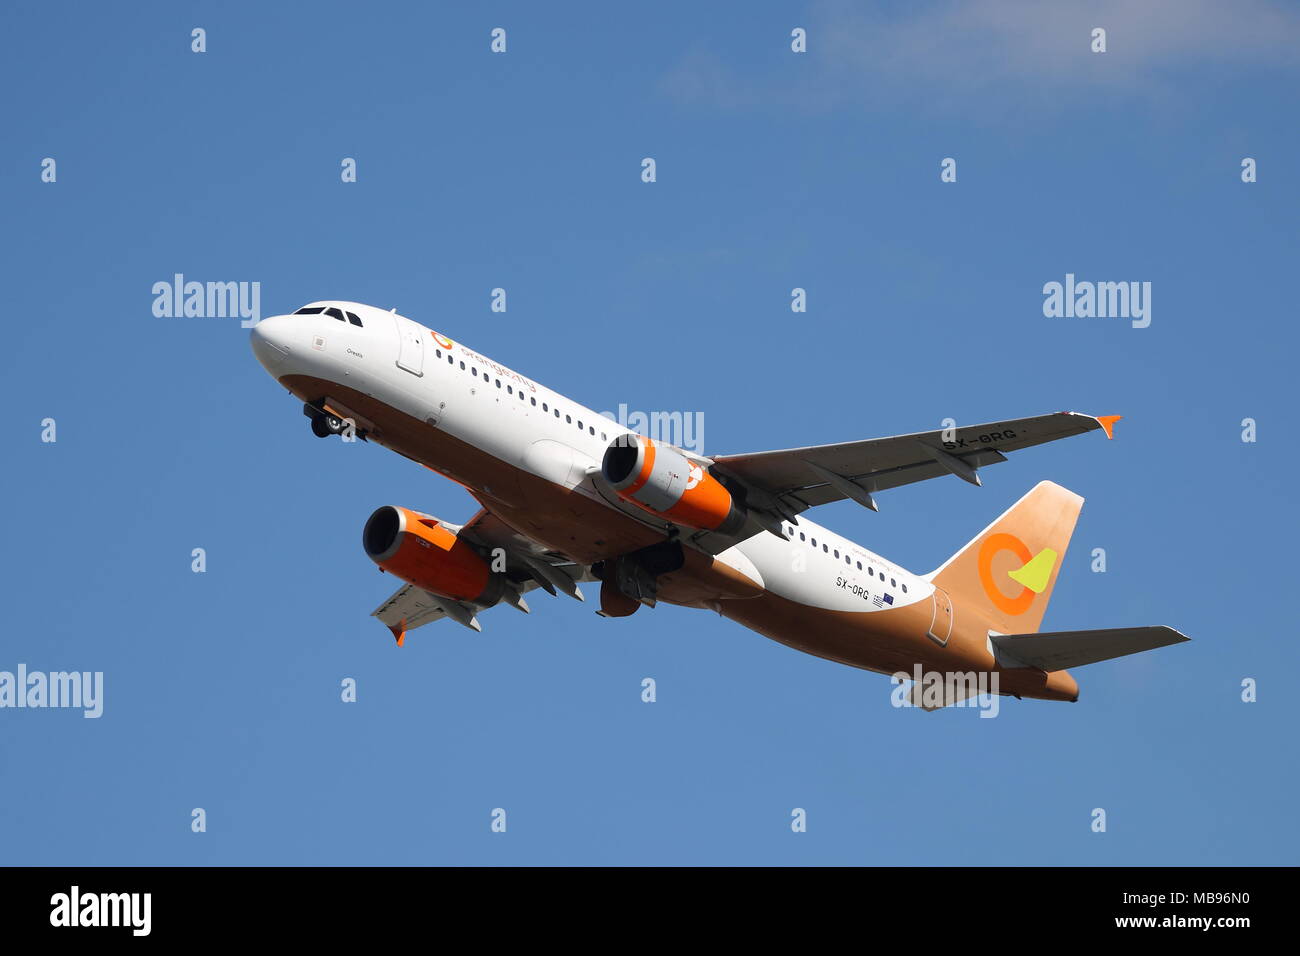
x: 526, y: 565
x: 488, y: 531
x: 409, y: 608
x: 526, y: 561
x: 790, y: 481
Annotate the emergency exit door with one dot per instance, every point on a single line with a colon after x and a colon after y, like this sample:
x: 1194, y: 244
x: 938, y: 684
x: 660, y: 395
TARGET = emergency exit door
x: 410, y: 347
x: 941, y: 622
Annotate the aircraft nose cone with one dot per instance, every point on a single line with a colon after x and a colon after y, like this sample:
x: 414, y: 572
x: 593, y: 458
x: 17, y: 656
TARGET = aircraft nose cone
x: 270, y: 339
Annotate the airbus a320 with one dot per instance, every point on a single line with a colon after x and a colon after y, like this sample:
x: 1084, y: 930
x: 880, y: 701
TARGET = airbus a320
x: 569, y: 496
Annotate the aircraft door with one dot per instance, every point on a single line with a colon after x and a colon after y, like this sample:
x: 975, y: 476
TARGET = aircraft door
x: 941, y: 621
x: 410, y: 349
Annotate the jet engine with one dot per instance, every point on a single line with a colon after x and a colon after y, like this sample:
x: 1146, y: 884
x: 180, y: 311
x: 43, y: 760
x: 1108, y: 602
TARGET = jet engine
x: 422, y: 551
x: 661, y: 480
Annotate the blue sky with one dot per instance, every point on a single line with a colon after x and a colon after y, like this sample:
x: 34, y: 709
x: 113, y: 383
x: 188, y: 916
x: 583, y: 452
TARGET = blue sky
x: 522, y: 170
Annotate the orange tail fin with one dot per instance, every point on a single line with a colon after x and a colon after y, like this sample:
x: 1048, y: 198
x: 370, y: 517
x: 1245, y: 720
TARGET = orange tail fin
x: 1009, y: 569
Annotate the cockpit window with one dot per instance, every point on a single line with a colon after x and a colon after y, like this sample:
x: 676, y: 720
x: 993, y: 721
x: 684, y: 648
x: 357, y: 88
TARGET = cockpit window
x: 352, y: 317
x: 310, y: 310
x: 336, y: 314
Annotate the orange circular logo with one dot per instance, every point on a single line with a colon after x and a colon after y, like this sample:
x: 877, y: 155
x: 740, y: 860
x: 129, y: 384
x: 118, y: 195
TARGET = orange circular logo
x: 993, y: 544
x: 442, y: 340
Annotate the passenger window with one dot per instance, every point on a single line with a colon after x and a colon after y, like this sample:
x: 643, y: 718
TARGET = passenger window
x: 893, y: 583
x: 438, y: 352
x: 498, y: 381
x: 510, y: 390
x: 474, y: 371
x: 801, y: 537
x: 859, y: 565
x: 871, y: 572
x: 557, y: 413
x: 568, y: 419
x: 462, y: 366
x: 904, y: 588
x: 602, y: 437
x: 579, y: 426
x: 837, y: 554
x: 545, y: 407
x: 534, y: 401
x: 591, y: 429
x: 450, y: 360
x: 825, y: 548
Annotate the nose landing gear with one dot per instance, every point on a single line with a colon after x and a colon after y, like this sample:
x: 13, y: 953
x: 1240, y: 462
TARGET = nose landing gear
x: 323, y: 424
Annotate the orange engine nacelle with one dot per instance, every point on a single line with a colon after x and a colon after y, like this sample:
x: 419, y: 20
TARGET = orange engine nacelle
x: 663, y: 481
x: 420, y: 551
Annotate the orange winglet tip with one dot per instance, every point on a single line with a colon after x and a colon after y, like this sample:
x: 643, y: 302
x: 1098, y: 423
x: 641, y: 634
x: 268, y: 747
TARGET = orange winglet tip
x: 399, y: 632
x: 1108, y: 423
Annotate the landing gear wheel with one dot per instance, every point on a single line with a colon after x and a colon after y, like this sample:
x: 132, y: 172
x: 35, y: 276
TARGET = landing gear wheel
x: 323, y: 424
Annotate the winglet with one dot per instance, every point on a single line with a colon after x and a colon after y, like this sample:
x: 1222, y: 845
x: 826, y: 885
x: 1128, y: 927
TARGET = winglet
x: 1108, y: 423
x: 399, y: 631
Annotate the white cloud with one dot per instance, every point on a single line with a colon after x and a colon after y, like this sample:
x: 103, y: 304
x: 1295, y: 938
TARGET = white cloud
x: 947, y: 53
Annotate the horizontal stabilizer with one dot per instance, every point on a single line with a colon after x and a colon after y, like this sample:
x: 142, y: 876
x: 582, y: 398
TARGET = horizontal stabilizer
x: 1058, y: 650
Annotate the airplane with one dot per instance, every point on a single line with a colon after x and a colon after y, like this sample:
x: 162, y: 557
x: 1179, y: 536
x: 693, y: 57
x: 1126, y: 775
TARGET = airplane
x: 569, y: 496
